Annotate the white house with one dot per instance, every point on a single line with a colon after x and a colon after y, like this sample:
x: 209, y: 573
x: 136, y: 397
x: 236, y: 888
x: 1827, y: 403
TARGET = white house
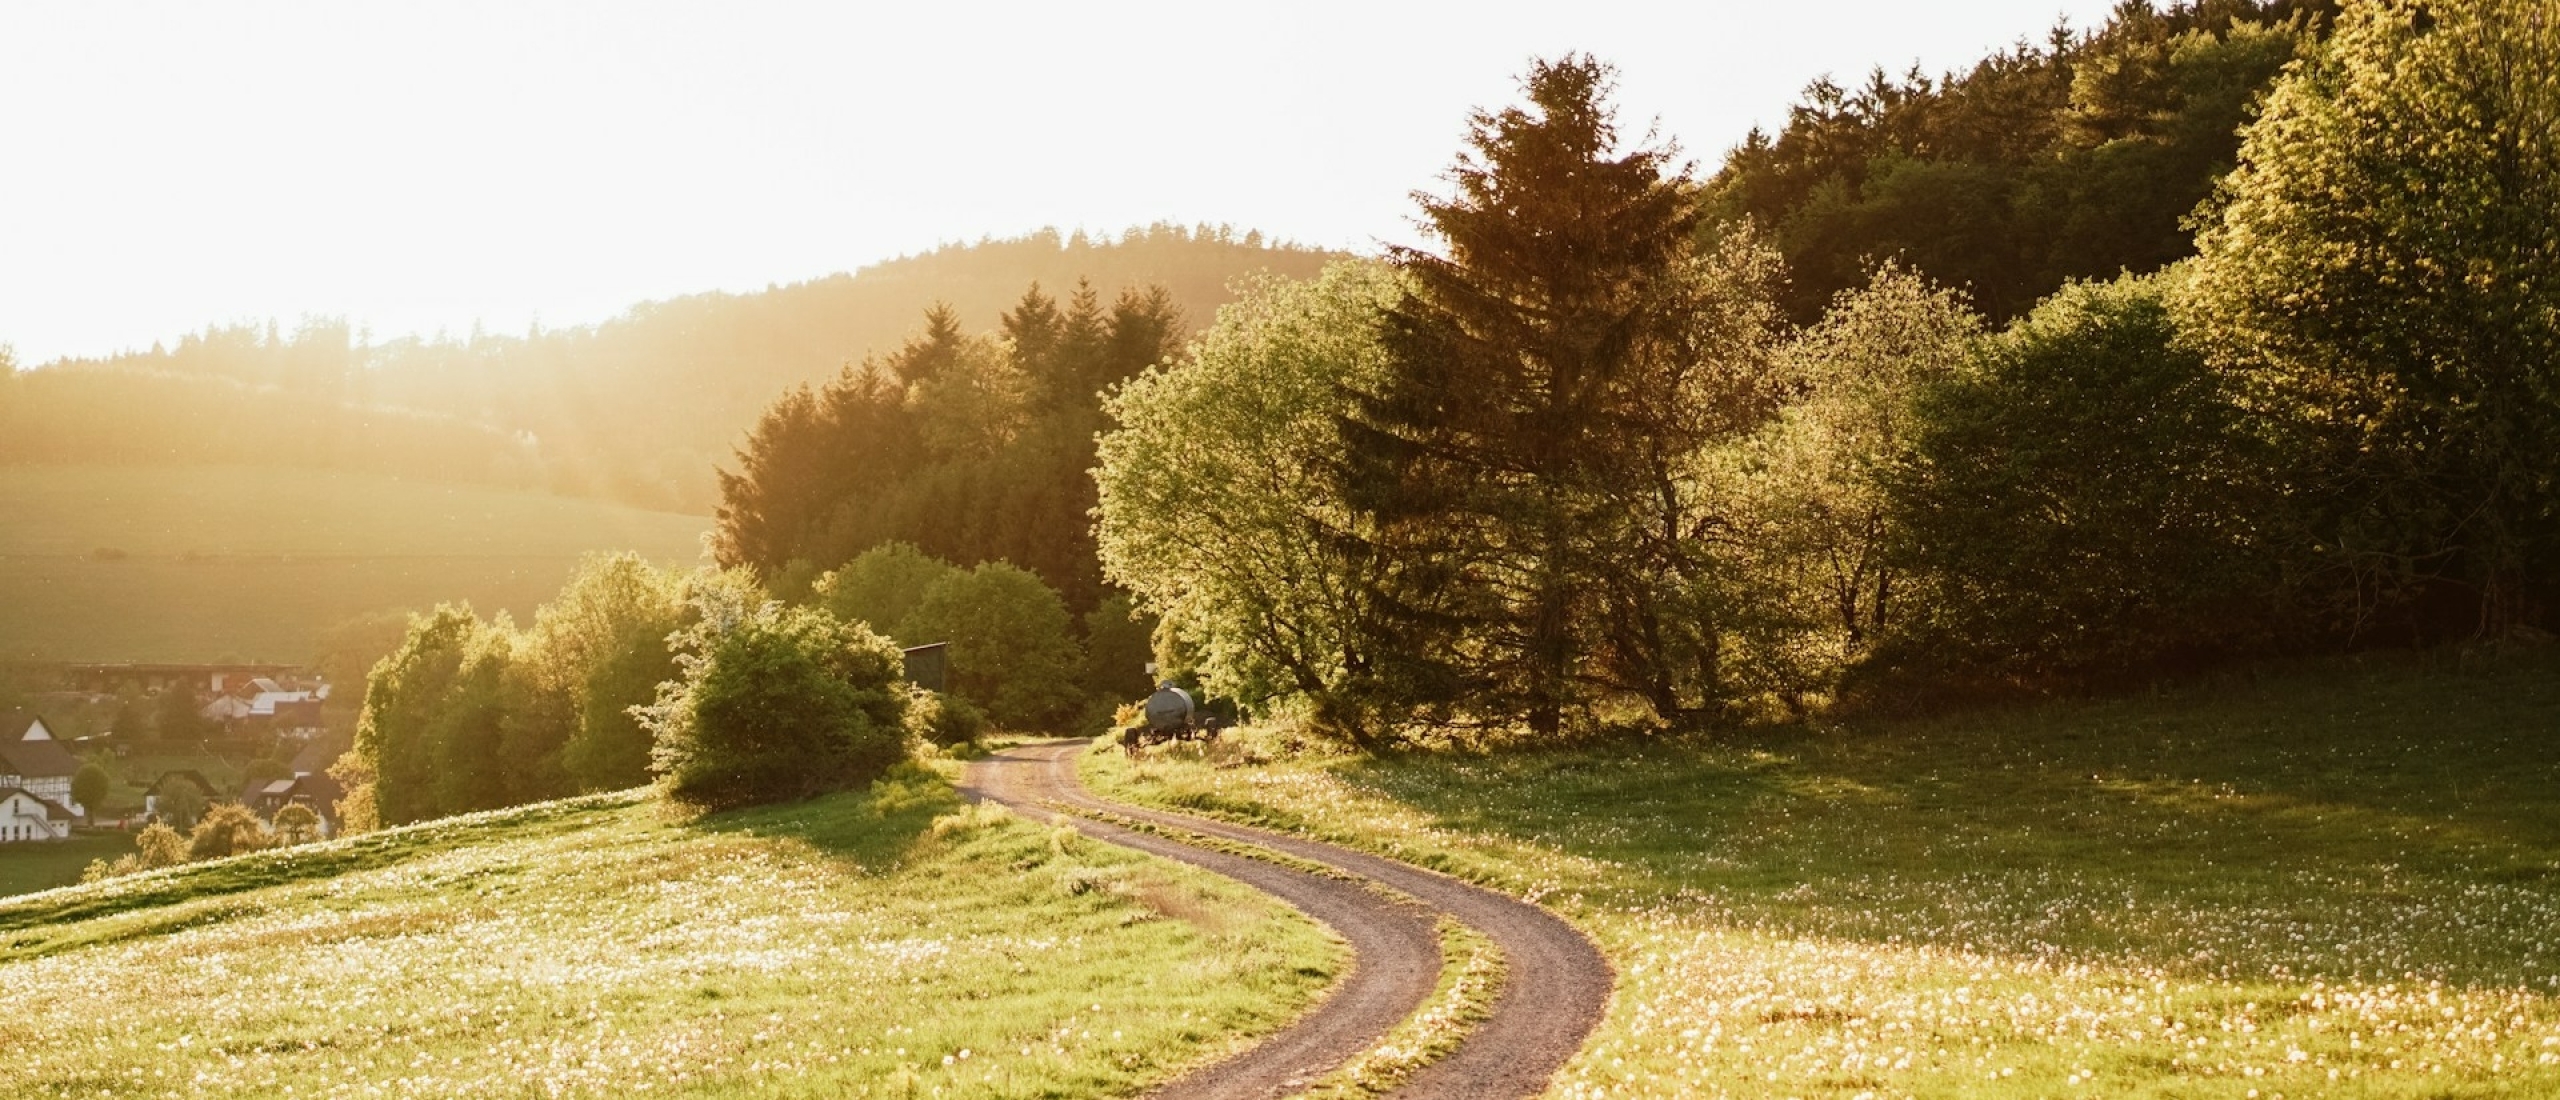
x: 32, y: 762
x: 24, y: 817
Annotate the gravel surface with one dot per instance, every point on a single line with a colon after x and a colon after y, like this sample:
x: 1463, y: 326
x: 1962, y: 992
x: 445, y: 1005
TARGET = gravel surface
x: 1555, y: 989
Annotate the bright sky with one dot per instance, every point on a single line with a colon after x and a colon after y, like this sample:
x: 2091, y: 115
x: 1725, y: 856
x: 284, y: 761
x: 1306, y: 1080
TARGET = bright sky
x: 417, y: 167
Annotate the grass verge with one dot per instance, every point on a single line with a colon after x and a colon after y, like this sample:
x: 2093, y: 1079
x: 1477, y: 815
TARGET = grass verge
x: 2342, y: 880
x: 888, y: 943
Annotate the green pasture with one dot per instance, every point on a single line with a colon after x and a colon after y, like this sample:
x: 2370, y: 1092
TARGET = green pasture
x: 26, y: 868
x: 209, y: 563
x: 891, y: 943
x: 2334, y: 880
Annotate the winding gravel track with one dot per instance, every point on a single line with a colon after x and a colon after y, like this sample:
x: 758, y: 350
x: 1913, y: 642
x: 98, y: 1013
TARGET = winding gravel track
x: 1554, y: 990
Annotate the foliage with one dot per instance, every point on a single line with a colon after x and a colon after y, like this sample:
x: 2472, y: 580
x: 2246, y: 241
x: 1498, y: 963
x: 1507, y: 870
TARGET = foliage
x: 595, y: 651
x: 880, y: 586
x: 89, y: 786
x: 1119, y: 644
x: 1012, y: 653
x: 775, y: 703
x: 946, y: 720
x: 174, y: 717
x: 160, y: 845
x: 178, y: 803
x: 2081, y: 496
x: 1219, y: 506
x: 227, y: 830
x: 359, y: 811
x: 1515, y: 472
x: 1807, y: 523
x: 2381, y: 269
x: 2073, y: 159
x: 970, y: 449
x: 411, y: 713
x: 297, y: 824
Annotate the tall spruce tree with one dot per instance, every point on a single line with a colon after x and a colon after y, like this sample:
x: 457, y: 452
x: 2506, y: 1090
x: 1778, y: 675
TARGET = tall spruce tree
x: 1518, y: 465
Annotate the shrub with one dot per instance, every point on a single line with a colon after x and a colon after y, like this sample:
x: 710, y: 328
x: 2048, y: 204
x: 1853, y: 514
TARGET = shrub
x: 2080, y: 498
x: 158, y: 845
x: 944, y: 720
x: 776, y: 703
x: 228, y: 829
x: 1011, y: 652
x: 297, y: 824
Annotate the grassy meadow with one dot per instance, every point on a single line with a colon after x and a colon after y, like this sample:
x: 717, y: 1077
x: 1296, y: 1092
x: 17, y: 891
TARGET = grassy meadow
x: 2337, y: 880
x: 117, y: 563
x: 891, y: 943
x: 26, y: 868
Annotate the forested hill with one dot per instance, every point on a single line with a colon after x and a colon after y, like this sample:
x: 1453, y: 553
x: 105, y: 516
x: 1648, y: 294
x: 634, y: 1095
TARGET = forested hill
x: 2077, y: 158
x: 638, y: 409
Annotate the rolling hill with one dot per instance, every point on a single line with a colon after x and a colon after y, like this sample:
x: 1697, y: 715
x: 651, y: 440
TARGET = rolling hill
x: 885, y: 943
x: 155, y: 563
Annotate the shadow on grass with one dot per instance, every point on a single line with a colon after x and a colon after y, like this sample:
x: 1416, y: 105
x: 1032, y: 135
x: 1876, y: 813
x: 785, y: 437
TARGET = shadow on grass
x: 876, y: 829
x: 2292, y: 800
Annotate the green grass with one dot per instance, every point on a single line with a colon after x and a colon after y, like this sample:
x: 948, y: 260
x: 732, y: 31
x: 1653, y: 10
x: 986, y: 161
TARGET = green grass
x: 209, y: 563
x: 26, y: 868
x: 2338, y: 880
x: 889, y: 944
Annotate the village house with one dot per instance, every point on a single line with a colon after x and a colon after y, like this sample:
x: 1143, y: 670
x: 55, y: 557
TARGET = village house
x: 34, y: 767
x: 24, y: 817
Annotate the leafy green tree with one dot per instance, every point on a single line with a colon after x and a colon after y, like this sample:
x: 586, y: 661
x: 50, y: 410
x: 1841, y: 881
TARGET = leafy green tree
x: 228, y: 829
x: 175, y: 717
x: 1516, y: 472
x: 468, y: 729
x: 1011, y: 651
x: 1220, y: 507
x: 2081, y: 498
x: 939, y: 719
x: 178, y: 803
x: 431, y: 704
x: 1119, y: 641
x: 89, y: 786
x: 297, y: 824
x: 2382, y: 269
x: 2077, y: 157
x: 595, y: 651
x: 881, y: 586
x: 1809, y: 527
x: 776, y: 703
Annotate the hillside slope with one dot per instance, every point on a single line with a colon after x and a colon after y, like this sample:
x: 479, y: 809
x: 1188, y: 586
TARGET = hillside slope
x: 638, y: 408
x: 141, y: 563
x: 880, y: 944
x: 2333, y: 880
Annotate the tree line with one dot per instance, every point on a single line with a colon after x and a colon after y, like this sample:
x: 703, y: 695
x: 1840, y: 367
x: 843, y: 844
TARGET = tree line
x: 2075, y: 158
x: 1575, y: 467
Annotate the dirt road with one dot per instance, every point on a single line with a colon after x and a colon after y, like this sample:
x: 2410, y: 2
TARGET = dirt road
x: 1553, y: 994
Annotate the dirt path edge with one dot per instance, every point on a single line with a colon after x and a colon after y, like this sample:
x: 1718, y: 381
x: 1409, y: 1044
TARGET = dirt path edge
x: 1557, y: 983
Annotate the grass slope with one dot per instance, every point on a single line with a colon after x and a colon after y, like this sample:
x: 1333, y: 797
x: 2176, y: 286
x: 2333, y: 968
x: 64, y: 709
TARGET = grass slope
x: 253, y: 563
x: 891, y: 943
x: 2342, y: 881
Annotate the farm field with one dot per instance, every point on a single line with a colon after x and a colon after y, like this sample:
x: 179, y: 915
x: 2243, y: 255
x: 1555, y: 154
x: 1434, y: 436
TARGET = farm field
x: 2337, y: 880
x: 890, y: 943
x: 110, y: 563
x: 26, y: 868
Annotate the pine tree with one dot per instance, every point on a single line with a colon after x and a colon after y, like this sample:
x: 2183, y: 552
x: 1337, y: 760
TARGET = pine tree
x: 1518, y: 464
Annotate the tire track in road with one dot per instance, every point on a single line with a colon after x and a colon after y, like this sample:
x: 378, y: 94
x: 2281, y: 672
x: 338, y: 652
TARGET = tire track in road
x: 1555, y: 989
